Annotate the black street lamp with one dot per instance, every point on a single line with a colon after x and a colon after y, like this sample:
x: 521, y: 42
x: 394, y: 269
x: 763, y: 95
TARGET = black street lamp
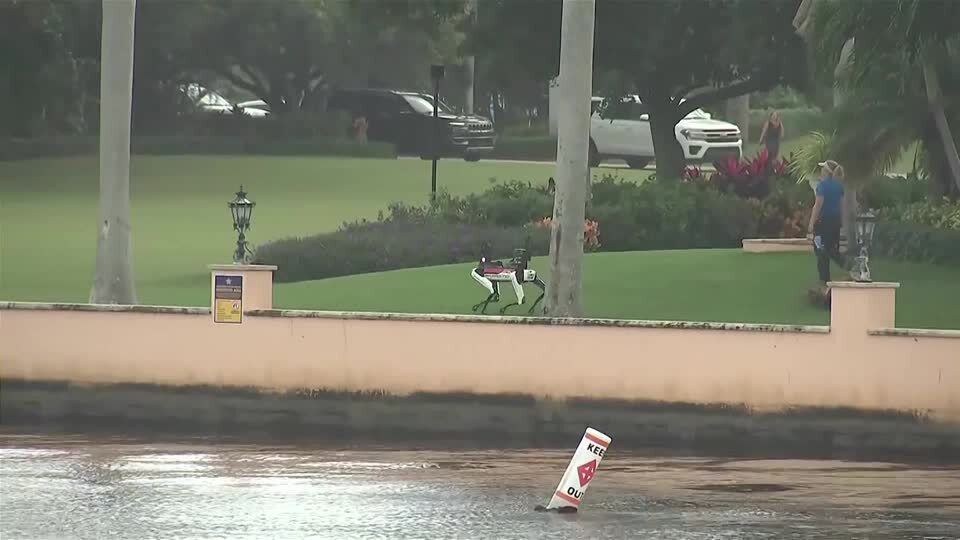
x: 866, y: 223
x: 436, y: 74
x: 241, y: 209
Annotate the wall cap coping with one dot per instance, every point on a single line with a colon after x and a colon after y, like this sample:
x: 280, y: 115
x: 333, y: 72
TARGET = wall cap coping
x: 863, y: 285
x: 243, y: 267
x: 103, y: 308
x: 915, y: 332
x: 785, y: 241
x: 795, y: 241
x: 547, y: 321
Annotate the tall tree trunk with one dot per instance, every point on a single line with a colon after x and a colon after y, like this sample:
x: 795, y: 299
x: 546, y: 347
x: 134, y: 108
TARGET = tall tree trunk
x: 935, y: 99
x: 563, y: 298
x: 113, y: 279
x: 669, y: 154
x: 470, y: 68
x: 738, y: 112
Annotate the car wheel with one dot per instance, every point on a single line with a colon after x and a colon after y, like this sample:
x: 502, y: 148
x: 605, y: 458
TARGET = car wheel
x: 638, y: 163
x: 593, y: 159
x: 472, y: 157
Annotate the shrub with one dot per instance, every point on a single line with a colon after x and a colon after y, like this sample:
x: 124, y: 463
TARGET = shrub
x: 942, y: 214
x: 918, y: 243
x: 591, y: 232
x: 668, y: 216
x: 749, y: 178
x: 886, y: 191
x: 785, y: 211
x: 452, y: 229
x: 511, y: 204
x: 406, y: 238
x: 782, y: 207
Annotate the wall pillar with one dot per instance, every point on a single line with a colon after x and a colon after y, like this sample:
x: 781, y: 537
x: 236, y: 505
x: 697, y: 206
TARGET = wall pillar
x: 257, y: 284
x: 856, y: 308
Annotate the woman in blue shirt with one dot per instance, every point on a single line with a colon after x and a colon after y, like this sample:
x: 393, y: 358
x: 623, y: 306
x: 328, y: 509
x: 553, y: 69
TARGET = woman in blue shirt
x: 826, y: 219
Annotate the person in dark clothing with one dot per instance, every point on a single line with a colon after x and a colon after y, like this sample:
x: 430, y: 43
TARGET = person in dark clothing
x: 826, y: 219
x: 771, y: 135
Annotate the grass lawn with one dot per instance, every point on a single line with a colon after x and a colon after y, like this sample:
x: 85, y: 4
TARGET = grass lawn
x: 699, y: 285
x: 48, y: 218
x: 179, y: 215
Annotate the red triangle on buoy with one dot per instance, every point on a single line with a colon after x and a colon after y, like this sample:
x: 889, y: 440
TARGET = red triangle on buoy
x: 586, y: 472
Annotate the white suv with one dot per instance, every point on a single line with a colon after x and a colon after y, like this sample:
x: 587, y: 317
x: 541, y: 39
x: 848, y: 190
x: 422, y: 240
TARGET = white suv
x: 628, y: 137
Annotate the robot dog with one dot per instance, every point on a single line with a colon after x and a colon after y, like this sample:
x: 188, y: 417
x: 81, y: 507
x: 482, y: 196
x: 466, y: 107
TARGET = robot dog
x: 490, y: 274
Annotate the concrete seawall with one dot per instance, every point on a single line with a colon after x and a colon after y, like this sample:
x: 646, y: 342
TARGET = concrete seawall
x: 422, y: 419
x: 857, y: 362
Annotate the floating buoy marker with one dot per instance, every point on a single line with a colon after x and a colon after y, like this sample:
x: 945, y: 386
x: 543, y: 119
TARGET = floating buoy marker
x: 583, y: 466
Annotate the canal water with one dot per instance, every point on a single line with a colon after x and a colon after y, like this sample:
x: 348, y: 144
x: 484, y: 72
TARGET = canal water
x: 67, y: 487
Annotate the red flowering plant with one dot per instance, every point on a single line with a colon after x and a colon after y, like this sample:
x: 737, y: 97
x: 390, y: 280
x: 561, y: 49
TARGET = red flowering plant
x: 591, y: 232
x: 693, y: 175
x: 750, y: 178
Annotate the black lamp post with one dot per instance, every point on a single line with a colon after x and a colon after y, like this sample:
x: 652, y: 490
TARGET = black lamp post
x: 436, y: 74
x: 866, y: 223
x: 241, y: 209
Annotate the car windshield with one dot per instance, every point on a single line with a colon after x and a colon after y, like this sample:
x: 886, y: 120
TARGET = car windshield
x: 699, y: 113
x: 424, y: 104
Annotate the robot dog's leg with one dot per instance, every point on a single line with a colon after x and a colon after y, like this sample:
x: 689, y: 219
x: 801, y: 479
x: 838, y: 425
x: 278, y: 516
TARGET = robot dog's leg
x: 543, y: 290
x: 490, y: 286
x: 517, y: 290
x: 494, y: 297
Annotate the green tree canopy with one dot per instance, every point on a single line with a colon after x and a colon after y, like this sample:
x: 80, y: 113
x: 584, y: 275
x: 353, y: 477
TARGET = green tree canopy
x: 899, y: 77
x: 676, y: 55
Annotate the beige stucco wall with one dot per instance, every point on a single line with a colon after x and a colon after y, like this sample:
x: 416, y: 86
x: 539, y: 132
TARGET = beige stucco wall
x: 856, y: 362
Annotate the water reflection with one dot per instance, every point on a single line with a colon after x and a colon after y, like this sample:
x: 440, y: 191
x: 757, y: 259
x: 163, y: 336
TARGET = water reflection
x: 72, y: 488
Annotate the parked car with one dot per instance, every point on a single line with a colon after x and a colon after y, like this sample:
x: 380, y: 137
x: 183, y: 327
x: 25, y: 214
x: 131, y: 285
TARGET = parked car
x: 256, y: 107
x: 208, y: 101
x: 627, y: 136
x: 406, y: 118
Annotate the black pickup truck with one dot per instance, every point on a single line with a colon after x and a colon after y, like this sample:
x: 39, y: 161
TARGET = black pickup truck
x: 405, y: 119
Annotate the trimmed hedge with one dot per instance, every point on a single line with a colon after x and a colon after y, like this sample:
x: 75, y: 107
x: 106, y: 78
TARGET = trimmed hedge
x: 18, y: 149
x: 630, y: 217
x: 395, y: 243
x: 917, y: 243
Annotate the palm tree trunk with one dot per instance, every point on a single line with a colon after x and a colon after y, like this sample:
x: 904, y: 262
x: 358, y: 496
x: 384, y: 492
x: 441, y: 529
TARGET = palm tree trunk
x: 113, y: 278
x: 935, y: 99
x: 563, y: 295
